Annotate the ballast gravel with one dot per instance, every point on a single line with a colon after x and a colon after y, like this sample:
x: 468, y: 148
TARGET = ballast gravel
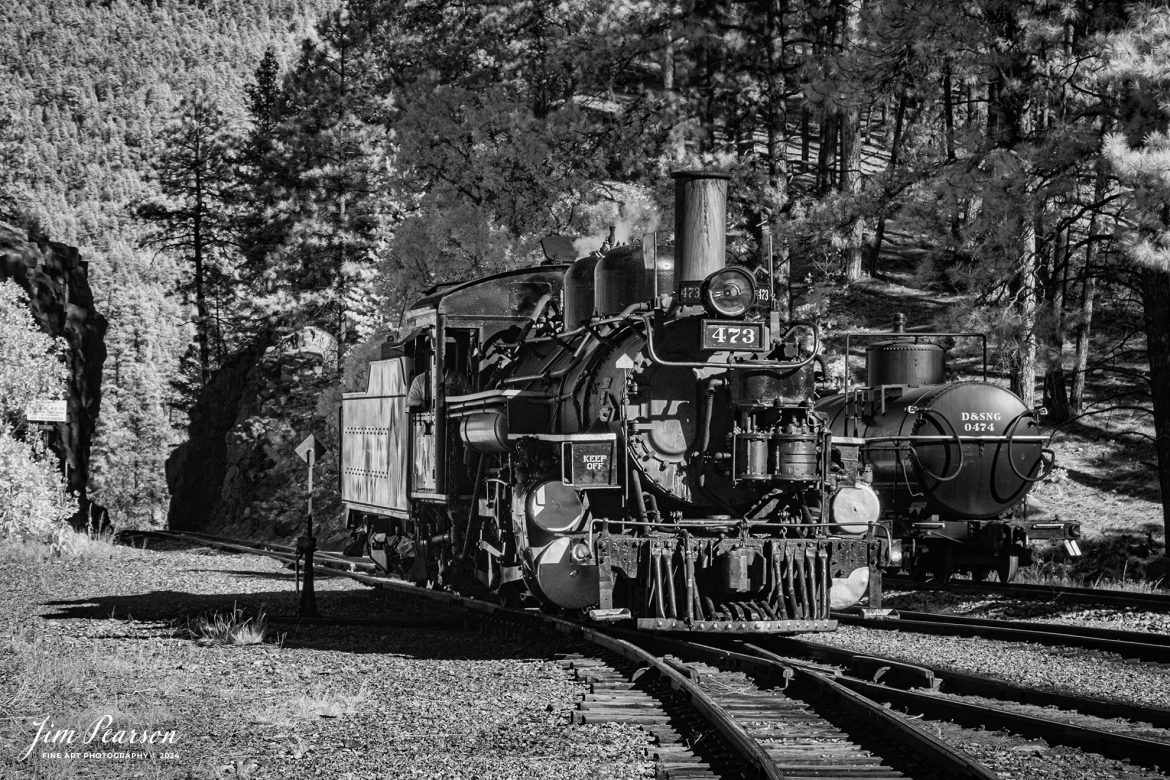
x: 94, y: 641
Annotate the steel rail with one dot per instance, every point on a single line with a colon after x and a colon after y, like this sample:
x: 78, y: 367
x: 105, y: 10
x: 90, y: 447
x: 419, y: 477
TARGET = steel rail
x: 900, y: 673
x: 1148, y: 752
x: 1091, y: 632
x: 1042, y: 633
x: 1090, y: 595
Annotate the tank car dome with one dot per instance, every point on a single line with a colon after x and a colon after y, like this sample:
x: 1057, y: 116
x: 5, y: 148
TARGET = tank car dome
x: 905, y: 362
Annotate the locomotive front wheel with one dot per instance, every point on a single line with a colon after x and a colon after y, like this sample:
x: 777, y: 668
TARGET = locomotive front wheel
x: 1007, y: 566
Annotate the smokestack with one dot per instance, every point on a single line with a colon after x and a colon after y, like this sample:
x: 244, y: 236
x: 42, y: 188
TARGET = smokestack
x: 700, y: 224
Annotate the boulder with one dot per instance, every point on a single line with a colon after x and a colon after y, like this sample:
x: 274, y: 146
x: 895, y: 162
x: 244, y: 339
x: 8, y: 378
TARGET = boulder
x: 56, y: 280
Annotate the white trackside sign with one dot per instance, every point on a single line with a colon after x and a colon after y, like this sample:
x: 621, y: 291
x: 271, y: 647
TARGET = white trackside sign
x: 47, y: 410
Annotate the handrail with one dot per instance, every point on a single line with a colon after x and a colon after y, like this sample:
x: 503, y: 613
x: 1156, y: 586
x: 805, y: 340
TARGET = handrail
x: 626, y: 313
x: 742, y: 365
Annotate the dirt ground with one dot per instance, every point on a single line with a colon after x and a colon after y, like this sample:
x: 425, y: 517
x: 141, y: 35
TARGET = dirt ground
x: 97, y: 647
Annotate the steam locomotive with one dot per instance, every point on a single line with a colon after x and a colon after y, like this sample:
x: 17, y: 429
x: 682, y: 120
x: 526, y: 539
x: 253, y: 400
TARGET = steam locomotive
x: 630, y: 436
x: 950, y: 462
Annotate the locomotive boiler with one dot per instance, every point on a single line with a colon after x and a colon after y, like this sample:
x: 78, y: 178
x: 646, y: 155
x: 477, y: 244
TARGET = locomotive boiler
x: 630, y: 436
x: 951, y: 462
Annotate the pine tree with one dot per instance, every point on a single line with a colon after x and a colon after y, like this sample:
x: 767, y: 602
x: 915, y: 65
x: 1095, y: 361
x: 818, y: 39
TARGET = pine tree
x: 1139, y: 154
x: 193, y: 218
x: 262, y: 176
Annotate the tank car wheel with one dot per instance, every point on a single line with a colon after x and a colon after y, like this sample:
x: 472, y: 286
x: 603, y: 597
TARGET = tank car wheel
x: 1007, y: 566
x: 979, y: 573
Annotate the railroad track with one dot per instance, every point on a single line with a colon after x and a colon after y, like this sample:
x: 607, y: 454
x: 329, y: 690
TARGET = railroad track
x: 757, y: 710
x: 900, y: 674
x: 1122, y: 598
x: 947, y: 694
x: 806, y: 724
x: 717, y: 714
x: 1140, y: 645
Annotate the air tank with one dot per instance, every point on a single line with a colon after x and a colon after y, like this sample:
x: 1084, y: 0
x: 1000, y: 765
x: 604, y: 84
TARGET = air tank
x: 624, y: 275
x: 619, y: 279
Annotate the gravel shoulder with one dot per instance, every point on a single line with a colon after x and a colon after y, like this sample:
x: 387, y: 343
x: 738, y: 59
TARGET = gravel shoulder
x: 94, y: 641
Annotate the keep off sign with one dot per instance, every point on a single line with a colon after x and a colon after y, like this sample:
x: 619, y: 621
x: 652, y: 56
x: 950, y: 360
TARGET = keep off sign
x: 47, y: 410
x: 588, y: 463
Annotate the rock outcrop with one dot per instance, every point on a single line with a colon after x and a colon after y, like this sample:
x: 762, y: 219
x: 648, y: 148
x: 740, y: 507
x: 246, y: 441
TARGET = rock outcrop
x: 238, y: 473
x: 56, y: 281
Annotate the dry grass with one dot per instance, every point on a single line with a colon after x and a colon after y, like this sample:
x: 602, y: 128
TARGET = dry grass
x: 35, y: 668
x: 1066, y: 575
x: 235, y: 628
x: 318, y: 702
x: 66, y: 544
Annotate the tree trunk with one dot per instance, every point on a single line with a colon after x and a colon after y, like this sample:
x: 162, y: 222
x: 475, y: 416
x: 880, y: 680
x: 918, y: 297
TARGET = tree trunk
x: 1023, y: 377
x: 948, y: 111
x: 875, y: 247
x: 1155, y: 294
x: 949, y: 137
x: 805, y: 132
x: 201, y: 309
x: 851, y: 187
x: 826, y: 152
x: 777, y: 118
x: 1088, y: 298
x: 851, y: 147
x: 1055, y: 386
x: 1084, y: 330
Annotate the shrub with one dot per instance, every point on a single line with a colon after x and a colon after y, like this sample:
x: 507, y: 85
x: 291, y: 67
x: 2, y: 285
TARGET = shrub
x: 33, y: 504
x: 30, y: 361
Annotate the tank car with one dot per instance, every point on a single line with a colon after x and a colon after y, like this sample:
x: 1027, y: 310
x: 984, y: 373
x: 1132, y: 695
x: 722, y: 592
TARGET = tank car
x: 630, y: 437
x: 951, y: 462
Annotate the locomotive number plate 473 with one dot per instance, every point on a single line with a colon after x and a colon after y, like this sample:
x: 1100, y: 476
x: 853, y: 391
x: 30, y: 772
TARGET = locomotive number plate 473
x: 736, y: 336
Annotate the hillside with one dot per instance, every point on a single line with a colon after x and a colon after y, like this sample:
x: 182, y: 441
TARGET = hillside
x: 88, y: 88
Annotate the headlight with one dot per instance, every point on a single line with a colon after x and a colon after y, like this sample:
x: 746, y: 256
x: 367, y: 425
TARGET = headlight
x: 854, y: 508
x: 729, y: 292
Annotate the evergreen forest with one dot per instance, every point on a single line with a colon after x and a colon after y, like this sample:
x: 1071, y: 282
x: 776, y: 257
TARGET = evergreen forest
x: 235, y: 171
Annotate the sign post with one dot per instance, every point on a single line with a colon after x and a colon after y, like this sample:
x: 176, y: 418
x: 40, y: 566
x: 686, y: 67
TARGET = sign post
x: 309, y: 451
x: 46, y: 411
